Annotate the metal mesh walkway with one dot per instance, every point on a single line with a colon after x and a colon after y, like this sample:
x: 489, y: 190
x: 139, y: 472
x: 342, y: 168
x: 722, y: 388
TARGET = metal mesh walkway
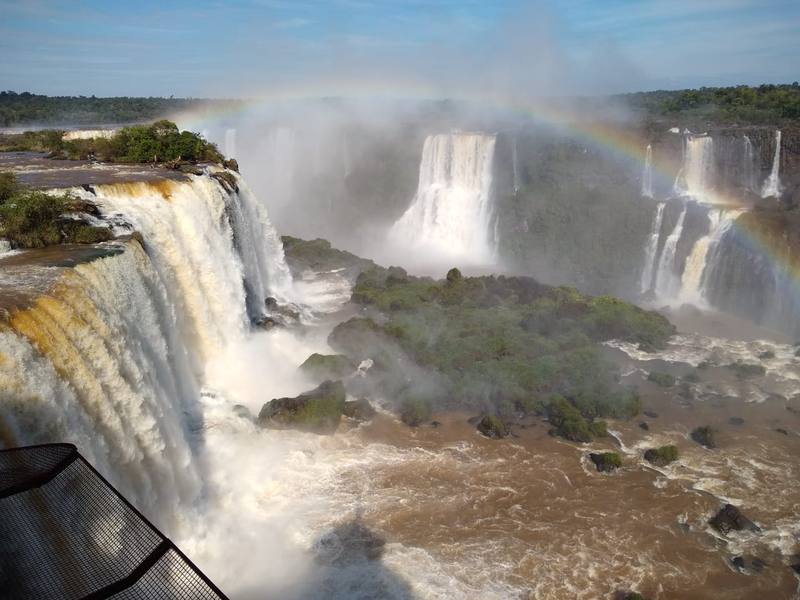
x: 66, y: 533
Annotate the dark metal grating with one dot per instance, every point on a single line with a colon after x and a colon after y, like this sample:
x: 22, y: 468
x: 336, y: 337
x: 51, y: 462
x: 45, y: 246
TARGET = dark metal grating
x: 66, y: 533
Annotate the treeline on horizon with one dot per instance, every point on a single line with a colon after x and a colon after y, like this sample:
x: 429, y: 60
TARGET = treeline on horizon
x: 756, y: 105
x: 34, y: 109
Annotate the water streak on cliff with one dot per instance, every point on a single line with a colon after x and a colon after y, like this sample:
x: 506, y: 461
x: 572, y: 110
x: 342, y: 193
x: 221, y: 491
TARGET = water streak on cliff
x: 651, y: 249
x: 772, y: 186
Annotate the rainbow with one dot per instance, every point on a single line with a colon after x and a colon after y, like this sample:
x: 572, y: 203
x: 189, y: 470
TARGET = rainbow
x: 622, y: 142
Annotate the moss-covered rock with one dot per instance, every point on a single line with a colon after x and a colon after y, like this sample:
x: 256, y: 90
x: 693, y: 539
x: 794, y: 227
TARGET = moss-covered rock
x: 606, y: 462
x: 493, y: 427
x: 569, y: 423
x: 661, y: 456
x: 316, y: 411
x: 705, y: 436
x: 661, y: 379
x: 328, y: 366
x: 359, y: 410
x: 415, y: 411
x: 745, y: 370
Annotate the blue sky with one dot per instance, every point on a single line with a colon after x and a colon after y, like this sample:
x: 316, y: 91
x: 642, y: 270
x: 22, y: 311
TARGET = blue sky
x: 213, y: 48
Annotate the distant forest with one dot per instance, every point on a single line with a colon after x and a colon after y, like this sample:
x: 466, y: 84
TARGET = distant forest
x: 746, y: 105
x: 33, y: 109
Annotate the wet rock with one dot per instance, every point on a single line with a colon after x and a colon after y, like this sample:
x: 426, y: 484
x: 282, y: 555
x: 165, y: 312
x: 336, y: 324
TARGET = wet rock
x: 633, y: 596
x: 474, y: 420
x: 705, y: 436
x: 796, y: 567
x: 661, y: 379
x: 316, y: 411
x: 454, y: 275
x: 493, y: 427
x: 747, y: 563
x: 736, y: 421
x: 435, y: 424
x: 766, y: 355
x: 231, y: 164
x: 651, y: 414
x: 644, y: 425
x: 747, y: 370
x: 242, y: 411
x: 781, y: 430
x: 661, y: 456
x: 268, y: 323
x: 415, y: 411
x: 606, y: 461
x: 729, y: 518
x: 328, y: 366
x: 359, y: 410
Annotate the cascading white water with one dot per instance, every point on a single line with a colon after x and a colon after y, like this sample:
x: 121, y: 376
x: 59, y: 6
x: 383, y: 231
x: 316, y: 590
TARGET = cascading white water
x: 698, y: 166
x: 748, y: 165
x: 666, y: 280
x: 451, y: 212
x: 515, y: 166
x: 100, y: 362
x: 693, y: 280
x: 651, y: 249
x: 114, y: 356
x: 772, y: 186
x: 647, y: 173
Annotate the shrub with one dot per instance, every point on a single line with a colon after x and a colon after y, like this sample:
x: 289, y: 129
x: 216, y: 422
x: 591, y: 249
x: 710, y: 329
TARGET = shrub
x: 746, y: 370
x: 415, y: 411
x: 30, y: 219
x: 661, y: 456
x: 661, y: 379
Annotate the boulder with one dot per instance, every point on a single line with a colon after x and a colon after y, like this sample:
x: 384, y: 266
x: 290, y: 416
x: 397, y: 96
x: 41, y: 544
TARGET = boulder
x: 729, y: 518
x: 651, y: 414
x: 359, y: 410
x: 415, y: 411
x: 661, y: 456
x: 268, y: 323
x: 493, y: 427
x: 242, y: 411
x: 705, y: 436
x: 736, y: 421
x: 454, y: 275
x: 606, y: 461
x: 328, y: 366
x: 644, y: 425
x: 316, y: 411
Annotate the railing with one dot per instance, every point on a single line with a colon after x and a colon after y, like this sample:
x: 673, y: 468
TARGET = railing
x: 66, y: 533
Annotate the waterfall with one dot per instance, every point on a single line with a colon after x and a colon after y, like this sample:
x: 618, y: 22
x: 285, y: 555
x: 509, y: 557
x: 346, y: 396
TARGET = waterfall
x: 515, y: 166
x: 651, y: 249
x: 698, y: 166
x: 112, y: 357
x: 666, y: 279
x: 99, y: 361
x: 647, y: 173
x: 749, y: 165
x: 451, y: 211
x: 772, y: 186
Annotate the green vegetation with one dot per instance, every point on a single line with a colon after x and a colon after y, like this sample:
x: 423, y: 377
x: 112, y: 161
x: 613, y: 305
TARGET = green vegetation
x: 661, y: 456
x: 661, y: 379
x: 747, y: 370
x: 500, y: 344
x: 33, y: 219
x: 606, y: 461
x: 160, y: 142
x: 569, y: 423
x: 765, y: 104
x: 316, y: 411
x: 26, y: 108
x: 415, y: 411
x: 328, y: 366
x: 318, y: 255
x: 493, y: 427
